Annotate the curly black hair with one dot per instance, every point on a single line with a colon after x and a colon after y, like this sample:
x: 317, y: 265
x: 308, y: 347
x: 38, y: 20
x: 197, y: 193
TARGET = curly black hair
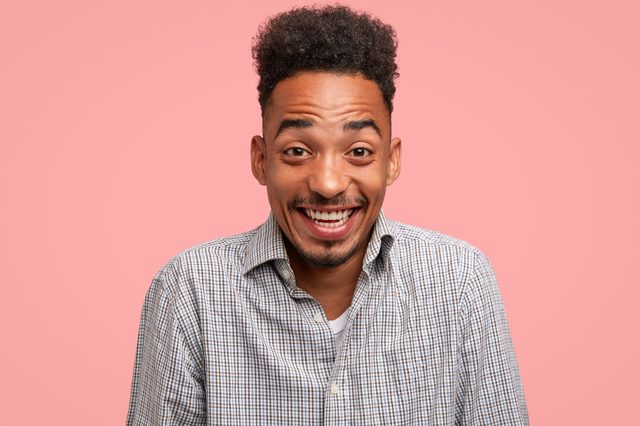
x: 331, y: 38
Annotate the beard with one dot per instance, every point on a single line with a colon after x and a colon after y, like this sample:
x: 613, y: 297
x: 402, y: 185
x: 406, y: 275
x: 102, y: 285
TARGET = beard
x: 328, y: 258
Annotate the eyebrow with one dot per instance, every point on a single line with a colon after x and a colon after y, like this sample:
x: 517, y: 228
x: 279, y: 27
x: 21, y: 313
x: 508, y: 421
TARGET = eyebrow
x: 362, y: 124
x: 355, y: 125
x: 295, y: 124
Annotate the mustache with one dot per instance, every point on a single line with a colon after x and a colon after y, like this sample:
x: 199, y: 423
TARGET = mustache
x: 320, y: 201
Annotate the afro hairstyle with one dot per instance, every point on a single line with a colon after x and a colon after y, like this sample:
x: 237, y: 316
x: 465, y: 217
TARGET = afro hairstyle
x: 328, y: 39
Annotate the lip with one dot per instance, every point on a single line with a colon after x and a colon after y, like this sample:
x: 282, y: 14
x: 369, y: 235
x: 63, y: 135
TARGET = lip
x: 329, y: 234
x: 328, y: 209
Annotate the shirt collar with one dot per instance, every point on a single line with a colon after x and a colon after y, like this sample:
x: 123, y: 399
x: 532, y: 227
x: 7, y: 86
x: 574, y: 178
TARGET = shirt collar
x: 268, y: 244
x: 381, y: 241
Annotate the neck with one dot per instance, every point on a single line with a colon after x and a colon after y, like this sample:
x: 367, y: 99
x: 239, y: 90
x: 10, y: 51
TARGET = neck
x: 332, y: 287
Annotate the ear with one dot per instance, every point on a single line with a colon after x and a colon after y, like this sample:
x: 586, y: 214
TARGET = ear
x: 395, y: 154
x: 258, y: 159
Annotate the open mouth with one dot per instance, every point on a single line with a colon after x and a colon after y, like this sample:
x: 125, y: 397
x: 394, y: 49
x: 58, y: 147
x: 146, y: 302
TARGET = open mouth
x: 326, y: 219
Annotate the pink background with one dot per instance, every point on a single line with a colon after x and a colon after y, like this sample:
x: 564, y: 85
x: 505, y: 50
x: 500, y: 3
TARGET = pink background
x: 125, y: 128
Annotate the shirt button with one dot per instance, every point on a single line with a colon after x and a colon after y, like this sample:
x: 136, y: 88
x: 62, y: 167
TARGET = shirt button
x: 335, y: 389
x: 286, y: 275
x: 318, y: 318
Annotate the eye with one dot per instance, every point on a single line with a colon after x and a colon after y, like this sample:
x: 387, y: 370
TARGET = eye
x: 360, y: 152
x: 296, y: 151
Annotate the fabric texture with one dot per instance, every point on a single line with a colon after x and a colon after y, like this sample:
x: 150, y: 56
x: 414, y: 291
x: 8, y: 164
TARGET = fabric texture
x: 227, y: 338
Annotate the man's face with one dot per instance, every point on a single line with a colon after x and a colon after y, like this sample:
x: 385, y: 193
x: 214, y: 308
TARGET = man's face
x: 326, y: 157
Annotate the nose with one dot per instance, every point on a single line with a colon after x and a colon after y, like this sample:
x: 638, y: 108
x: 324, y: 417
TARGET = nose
x: 328, y: 177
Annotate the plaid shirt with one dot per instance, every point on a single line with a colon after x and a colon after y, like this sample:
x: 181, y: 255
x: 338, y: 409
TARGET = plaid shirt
x: 227, y: 338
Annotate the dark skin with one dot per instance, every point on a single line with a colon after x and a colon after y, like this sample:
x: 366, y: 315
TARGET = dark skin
x: 333, y: 288
x: 326, y: 148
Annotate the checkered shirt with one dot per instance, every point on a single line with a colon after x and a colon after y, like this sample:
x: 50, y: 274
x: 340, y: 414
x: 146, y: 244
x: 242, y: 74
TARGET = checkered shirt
x: 227, y: 338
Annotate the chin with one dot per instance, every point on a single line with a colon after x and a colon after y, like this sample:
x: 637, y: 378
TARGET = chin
x: 328, y: 257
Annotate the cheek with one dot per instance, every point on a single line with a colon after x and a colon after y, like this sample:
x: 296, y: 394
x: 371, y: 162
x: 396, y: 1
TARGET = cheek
x: 281, y: 186
x: 373, y: 182
x: 277, y: 197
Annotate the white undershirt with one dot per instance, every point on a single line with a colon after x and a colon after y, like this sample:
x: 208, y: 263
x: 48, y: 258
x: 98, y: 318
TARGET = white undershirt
x: 337, y: 326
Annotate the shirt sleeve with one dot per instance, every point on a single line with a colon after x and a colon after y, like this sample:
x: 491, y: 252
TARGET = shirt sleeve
x: 167, y: 386
x: 489, y: 390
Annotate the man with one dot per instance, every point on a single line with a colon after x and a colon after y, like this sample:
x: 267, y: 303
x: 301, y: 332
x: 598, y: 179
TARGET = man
x: 328, y: 313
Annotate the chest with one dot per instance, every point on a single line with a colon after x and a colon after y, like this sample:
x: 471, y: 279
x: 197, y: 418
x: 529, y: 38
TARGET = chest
x: 397, y: 362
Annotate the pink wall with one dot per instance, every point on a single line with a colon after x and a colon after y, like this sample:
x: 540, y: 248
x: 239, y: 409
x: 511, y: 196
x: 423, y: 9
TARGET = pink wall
x: 125, y: 128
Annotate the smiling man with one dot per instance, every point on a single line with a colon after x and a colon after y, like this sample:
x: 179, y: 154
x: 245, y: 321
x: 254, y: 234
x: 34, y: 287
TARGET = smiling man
x: 328, y: 313
x: 326, y: 158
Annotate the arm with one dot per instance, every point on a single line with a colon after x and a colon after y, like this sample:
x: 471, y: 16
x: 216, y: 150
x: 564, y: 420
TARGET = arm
x: 168, y: 386
x: 489, y: 389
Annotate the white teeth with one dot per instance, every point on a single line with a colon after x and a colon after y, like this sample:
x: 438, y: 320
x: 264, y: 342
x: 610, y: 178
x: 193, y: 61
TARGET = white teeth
x: 337, y: 218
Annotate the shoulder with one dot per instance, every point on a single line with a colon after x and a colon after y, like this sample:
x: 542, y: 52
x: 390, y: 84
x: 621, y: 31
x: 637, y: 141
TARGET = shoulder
x: 228, y: 250
x: 441, y: 266
x: 413, y: 238
x: 447, y: 262
x: 202, y: 265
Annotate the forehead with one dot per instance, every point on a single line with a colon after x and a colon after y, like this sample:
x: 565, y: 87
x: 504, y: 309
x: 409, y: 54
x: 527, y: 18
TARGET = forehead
x: 326, y: 96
